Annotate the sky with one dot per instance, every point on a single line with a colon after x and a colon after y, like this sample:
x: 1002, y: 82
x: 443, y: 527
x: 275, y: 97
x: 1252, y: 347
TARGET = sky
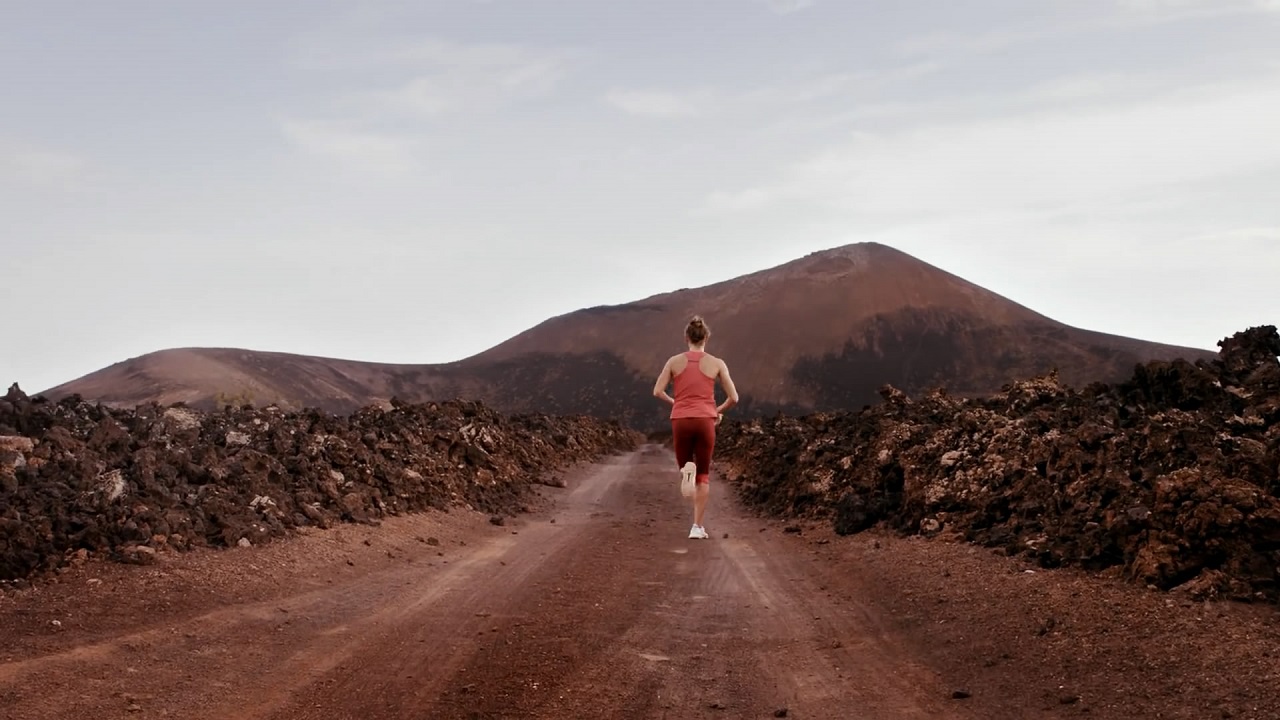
x: 417, y: 181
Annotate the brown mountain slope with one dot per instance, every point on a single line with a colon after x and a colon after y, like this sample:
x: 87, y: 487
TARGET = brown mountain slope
x: 822, y: 332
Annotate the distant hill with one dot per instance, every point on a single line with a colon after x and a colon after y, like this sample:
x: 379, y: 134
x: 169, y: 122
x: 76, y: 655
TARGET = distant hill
x: 822, y: 332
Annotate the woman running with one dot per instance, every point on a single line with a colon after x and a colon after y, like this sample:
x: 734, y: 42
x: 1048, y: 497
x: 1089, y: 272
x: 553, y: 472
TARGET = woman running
x: 694, y: 414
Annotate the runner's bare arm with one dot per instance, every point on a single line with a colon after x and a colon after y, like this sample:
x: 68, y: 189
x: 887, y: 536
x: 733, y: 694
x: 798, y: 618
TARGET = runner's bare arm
x: 660, y: 387
x: 729, y: 389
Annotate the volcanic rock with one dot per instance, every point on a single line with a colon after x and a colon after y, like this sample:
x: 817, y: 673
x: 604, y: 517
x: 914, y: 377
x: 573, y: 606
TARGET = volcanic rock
x: 120, y: 483
x: 1172, y: 476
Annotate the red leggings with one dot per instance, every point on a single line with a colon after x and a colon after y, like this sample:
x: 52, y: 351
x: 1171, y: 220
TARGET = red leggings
x: 695, y: 439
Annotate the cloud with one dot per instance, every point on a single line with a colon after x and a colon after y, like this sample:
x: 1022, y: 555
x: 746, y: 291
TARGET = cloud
x: 1124, y: 14
x: 1034, y: 162
x: 652, y: 103
x: 452, y: 77
x: 1245, y: 238
x: 764, y: 99
x: 30, y: 165
x: 976, y: 42
x: 1214, y: 6
x: 838, y: 85
x: 1175, y: 11
x: 786, y: 7
x: 431, y: 77
x: 387, y: 91
x: 363, y: 150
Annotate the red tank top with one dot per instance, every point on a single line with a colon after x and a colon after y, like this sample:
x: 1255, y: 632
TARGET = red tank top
x: 695, y: 392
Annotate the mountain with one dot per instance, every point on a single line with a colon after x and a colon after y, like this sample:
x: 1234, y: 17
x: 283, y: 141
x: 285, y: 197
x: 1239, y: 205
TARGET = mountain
x: 822, y: 332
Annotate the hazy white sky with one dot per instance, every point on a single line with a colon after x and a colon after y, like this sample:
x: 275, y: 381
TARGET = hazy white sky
x: 416, y: 181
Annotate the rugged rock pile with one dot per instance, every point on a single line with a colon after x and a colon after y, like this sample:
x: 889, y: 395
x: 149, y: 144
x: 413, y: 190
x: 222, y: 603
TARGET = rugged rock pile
x: 77, y: 478
x: 1171, y: 478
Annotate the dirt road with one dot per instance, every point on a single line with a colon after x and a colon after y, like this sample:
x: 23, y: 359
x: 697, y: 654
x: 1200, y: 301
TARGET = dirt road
x: 598, y: 609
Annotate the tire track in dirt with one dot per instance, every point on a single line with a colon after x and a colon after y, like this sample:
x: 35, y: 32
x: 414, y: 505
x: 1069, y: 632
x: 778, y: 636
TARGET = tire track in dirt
x: 390, y: 662
x: 642, y: 623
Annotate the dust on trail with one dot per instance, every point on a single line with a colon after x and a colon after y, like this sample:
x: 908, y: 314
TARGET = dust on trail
x: 601, y: 610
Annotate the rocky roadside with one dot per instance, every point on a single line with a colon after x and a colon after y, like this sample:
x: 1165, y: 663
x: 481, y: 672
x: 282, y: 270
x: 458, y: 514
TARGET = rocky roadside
x: 1170, y: 479
x: 79, y: 480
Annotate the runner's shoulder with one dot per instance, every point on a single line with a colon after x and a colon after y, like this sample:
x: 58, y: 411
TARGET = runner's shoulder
x: 717, y: 361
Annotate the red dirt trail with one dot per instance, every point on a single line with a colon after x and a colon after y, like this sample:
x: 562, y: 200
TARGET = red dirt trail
x: 601, y: 609
x: 596, y: 608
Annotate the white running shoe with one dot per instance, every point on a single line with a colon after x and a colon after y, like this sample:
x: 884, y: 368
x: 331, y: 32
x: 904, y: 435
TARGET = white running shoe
x: 697, y: 532
x: 688, y: 475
